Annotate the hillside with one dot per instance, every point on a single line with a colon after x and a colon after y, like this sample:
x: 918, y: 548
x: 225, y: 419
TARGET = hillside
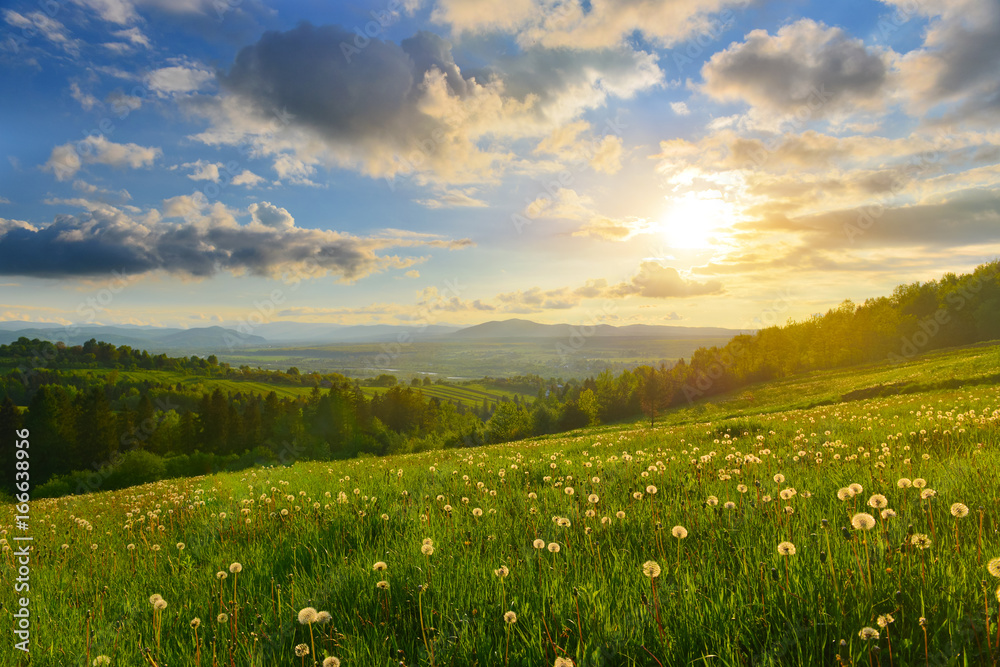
x: 742, y: 537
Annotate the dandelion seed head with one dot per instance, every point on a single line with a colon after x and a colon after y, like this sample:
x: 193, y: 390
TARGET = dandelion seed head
x: 878, y: 501
x: 301, y: 650
x: 553, y: 547
x: 538, y: 544
x: 236, y: 568
x: 959, y: 511
x: 510, y: 618
x: 863, y: 521
x: 651, y: 569
x: 868, y: 633
x: 222, y: 618
x: 331, y: 662
x: 993, y: 567
x: 307, y: 616
x: 680, y: 532
x: 786, y: 549
x: 920, y: 541
x: 382, y: 585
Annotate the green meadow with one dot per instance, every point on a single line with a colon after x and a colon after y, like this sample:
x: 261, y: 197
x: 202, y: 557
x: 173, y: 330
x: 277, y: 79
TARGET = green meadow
x: 839, y: 518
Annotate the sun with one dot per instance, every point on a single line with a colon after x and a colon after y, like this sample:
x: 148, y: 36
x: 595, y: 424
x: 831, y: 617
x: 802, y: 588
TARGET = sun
x: 692, y: 219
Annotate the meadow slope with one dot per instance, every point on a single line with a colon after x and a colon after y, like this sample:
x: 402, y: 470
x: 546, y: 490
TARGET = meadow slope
x: 860, y: 531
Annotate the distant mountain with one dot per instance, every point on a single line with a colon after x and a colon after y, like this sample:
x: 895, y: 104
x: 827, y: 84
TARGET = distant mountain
x: 517, y: 328
x: 153, y: 339
x: 322, y: 333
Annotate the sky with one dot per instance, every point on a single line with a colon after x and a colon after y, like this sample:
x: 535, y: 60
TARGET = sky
x: 728, y: 163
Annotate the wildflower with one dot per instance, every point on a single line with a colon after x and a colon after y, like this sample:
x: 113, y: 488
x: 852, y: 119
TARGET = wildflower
x: 477, y: 512
x: 222, y: 618
x: 301, y: 650
x: 620, y: 514
x: 380, y: 566
x: 919, y: 483
x: 863, y: 521
x: 593, y: 498
x: 195, y: 622
x: 154, y: 598
x: 563, y: 662
x: 427, y: 550
x: 742, y: 488
x: 382, y: 585
x: 993, y: 567
x: 538, y: 544
x: 160, y: 605
x: 958, y: 510
x: 235, y: 568
x: 730, y: 505
x: 501, y: 571
x: 888, y: 513
x: 651, y: 569
x: 510, y: 618
x: 927, y: 494
x: 427, y: 541
x: 651, y: 490
x: 920, y: 541
x: 324, y: 617
x: 553, y: 547
x: 569, y: 491
x: 786, y: 494
x: 884, y: 620
x: 331, y: 662
x: 786, y: 549
x: 868, y: 633
x: 180, y: 546
x: 307, y: 616
x: 712, y: 501
x: 844, y: 494
x: 680, y: 532
x: 637, y: 495
x: 101, y: 660
x: 855, y: 488
x: 221, y: 575
x: 878, y: 501
x: 904, y: 483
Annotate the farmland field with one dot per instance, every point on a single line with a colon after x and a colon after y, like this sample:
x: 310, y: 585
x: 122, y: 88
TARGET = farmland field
x: 864, y: 531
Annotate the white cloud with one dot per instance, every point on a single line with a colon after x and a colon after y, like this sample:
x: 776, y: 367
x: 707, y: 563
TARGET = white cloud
x: 247, y: 178
x: 53, y: 30
x: 602, y: 23
x: 680, y: 108
x: 178, y: 79
x: 67, y: 159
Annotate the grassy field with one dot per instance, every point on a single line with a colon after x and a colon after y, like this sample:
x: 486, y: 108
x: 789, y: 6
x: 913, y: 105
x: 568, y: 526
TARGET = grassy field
x: 754, y: 534
x: 469, y: 394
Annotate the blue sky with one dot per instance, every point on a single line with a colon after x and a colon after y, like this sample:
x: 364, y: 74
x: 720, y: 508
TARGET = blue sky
x: 694, y: 162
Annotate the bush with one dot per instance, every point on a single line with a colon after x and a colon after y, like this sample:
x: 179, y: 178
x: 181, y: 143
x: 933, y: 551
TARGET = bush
x: 136, y: 467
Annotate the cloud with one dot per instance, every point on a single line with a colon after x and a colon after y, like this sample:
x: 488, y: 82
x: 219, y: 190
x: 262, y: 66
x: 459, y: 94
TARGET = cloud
x: 204, y: 171
x: 568, y: 204
x: 656, y: 281
x: 309, y: 97
x: 680, y: 108
x: 67, y: 159
x: 207, y: 242
x: 575, y: 24
x: 178, y: 79
x: 576, y: 143
x: 958, y: 60
x: 86, y: 100
x: 53, y: 30
x: 269, y: 215
x: 454, y: 199
x: 805, y: 66
x: 247, y: 178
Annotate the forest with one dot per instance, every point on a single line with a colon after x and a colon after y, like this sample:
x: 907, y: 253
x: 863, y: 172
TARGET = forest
x: 101, y: 431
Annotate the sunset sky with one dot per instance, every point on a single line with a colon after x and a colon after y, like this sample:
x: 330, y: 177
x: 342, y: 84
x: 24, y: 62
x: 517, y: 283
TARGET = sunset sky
x: 690, y: 162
